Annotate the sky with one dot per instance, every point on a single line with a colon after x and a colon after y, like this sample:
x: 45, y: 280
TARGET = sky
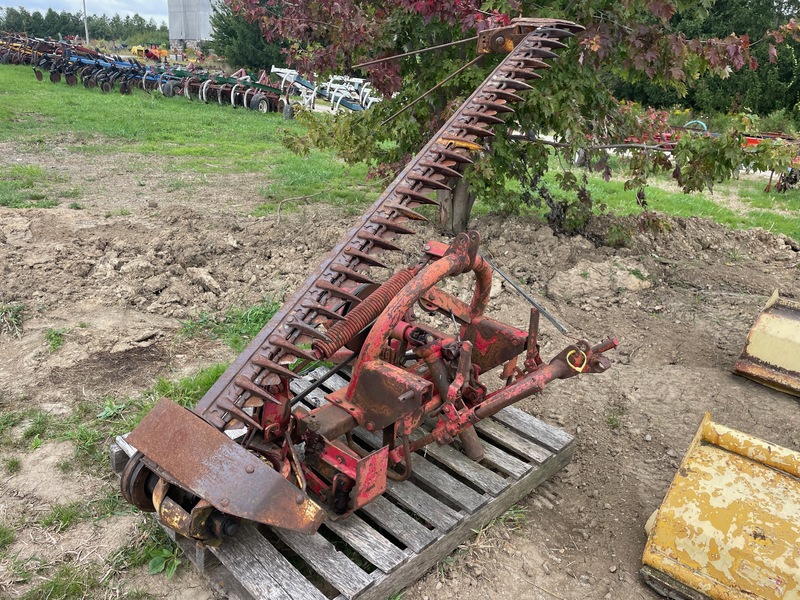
x: 149, y: 10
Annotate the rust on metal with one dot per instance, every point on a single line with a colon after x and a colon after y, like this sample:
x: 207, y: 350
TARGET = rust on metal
x: 237, y: 455
x: 206, y: 462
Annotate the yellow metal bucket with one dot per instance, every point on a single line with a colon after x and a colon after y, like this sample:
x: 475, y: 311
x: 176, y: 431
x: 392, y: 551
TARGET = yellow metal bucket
x: 771, y: 355
x: 729, y: 526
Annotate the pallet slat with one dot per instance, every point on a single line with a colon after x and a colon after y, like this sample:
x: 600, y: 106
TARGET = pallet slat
x: 412, y: 533
x: 261, y: 569
x: 550, y: 437
x: 469, y: 469
x: 507, y: 437
x: 409, y: 496
x: 316, y: 398
x: 328, y: 562
x: 495, y: 457
x: 368, y: 543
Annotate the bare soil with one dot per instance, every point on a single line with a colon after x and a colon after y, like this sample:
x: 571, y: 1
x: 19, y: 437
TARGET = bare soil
x: 680, y: 300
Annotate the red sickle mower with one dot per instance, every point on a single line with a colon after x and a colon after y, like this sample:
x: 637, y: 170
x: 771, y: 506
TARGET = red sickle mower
x: 249, y: 450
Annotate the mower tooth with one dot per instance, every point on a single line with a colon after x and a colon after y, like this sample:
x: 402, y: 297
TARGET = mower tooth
x: 391, y: 225
x: 483, y: 117
x: 555, y: 32
x: 543, y: 53
x: 250, y: 386
x: 291, y: 348
x: 367, y: 259
x: 308, y: 330
x: 320, y: 310
x: 458, y: 141
x: 414, y: 195
x: 273, y: 367
x: 475, y: 130
x: 429, y: 182
x: 514, y: 84
x: 378, y: 241
x: 454, y: 155
x: 237, y: 412
x: 327, y: 286
x: 352, y: 274
x: 503, y: 94
x: 551, y: 43
x: 440, y: 169
x: 533, y: 63
x: 523, y: 74
x: 405, y: 211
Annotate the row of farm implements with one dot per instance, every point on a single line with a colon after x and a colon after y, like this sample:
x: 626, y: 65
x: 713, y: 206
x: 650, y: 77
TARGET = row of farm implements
x: 78, y: 65
x: 74, y: 64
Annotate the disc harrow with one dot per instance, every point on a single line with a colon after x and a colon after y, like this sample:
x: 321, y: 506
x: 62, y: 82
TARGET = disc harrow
x: 249, y: 450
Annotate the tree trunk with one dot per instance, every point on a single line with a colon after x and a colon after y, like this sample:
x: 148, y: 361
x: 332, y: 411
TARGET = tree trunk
x: 455, y: 206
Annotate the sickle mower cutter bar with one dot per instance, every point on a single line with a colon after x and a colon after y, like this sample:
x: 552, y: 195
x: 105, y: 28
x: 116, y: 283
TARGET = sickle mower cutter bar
x: 75, y: 64
x: 249, y: 452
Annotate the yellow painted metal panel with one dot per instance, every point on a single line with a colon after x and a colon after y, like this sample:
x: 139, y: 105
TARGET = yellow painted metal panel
x: 729, y: 526
x: 771, y: 354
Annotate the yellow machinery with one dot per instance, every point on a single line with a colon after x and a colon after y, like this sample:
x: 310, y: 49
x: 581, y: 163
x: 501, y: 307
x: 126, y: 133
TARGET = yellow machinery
x: 729, y: 526
x: 771, y: 355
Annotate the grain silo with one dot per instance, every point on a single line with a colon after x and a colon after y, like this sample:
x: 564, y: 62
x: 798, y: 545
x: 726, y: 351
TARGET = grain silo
x: 189, y: 22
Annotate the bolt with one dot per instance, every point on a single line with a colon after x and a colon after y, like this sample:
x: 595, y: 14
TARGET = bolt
x: 249, y: 468
x: 224, y: 502
x: 370, y: 426
x: 499, y: 40
x: 299, y: 499
x: 427, y: 247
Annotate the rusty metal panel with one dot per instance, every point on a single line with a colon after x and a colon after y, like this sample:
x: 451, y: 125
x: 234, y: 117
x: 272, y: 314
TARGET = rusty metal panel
x: 771, y: 354
x: 208, y: 463
x: 729, y: 526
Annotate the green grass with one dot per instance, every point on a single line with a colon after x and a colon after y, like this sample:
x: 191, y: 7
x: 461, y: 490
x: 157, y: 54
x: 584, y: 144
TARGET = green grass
x: 11, y: 316
x: 69, y: 582
x: 13, y: 465
x: 21, y: 186
x: 6, y: 537
x: 64, y: 516
x: 175, y: 134
x: 55, y: 338
x: 236, y: 326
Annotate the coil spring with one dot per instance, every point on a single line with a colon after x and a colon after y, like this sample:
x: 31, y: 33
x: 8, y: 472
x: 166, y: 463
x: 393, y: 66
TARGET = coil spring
x: 363, y: 314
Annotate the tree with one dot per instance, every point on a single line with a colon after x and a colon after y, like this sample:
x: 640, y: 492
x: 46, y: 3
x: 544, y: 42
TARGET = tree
x: 241, y: 42
x: 635, y: 42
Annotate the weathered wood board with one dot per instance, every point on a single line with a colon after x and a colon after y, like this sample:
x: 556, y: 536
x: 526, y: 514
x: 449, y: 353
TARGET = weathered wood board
x: 389, y: 544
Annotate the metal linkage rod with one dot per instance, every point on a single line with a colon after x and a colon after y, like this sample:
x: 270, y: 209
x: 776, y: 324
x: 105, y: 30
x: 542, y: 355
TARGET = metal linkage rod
x: 396, y: 56
x: 527, y: 297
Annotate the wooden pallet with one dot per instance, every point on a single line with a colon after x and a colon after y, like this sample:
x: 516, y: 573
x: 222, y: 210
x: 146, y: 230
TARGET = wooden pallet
x: 393, y: 541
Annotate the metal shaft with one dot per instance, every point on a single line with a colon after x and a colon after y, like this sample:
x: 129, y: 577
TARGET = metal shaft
x: 527, y: 297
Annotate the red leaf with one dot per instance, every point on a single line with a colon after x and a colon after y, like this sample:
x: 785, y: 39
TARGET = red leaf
x: 773, y: 54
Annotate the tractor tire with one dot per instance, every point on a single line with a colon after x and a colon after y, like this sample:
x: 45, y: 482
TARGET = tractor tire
x: 169, y: 89
x: 260, y: 103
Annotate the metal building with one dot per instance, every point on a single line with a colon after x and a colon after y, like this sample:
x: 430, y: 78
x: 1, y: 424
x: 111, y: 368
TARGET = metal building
x: 189, y: 22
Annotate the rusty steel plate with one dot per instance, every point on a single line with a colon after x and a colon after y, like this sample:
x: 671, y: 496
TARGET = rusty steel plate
x: 209, y: 464
x: 729, y: 526
x: 771, y: 355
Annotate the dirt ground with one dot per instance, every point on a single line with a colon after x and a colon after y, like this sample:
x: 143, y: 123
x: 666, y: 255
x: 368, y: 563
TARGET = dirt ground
x: 121, y: 273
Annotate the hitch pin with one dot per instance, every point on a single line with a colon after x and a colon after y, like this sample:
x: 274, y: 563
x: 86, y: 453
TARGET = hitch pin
x: 458, y: 329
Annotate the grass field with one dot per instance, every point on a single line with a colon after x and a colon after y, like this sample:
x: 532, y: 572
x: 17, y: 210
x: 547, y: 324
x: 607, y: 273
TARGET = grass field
x: 203, y: 139
x: 199, y: 138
